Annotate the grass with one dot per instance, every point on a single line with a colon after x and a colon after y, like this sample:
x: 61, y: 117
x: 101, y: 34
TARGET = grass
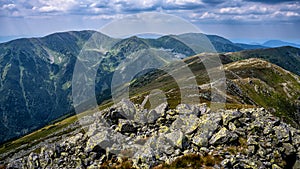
x: 124, y: 164
x: 192, y: 161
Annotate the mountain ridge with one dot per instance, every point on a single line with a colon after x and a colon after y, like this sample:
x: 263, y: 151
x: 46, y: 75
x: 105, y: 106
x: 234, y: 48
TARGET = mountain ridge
x: 279, y: 43
x: 37, y: 72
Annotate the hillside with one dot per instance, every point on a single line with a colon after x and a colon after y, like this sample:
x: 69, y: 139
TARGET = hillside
x: 248, y: 82
x: 212, y: 132
x: 285, y: 57
x: 38, y: 72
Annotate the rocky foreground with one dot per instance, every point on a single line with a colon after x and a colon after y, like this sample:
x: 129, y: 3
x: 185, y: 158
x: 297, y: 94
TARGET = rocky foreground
x: 246, y: 138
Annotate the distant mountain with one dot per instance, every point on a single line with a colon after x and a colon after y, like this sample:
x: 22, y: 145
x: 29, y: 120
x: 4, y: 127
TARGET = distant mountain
x: 279, y: 43
x: 219, y: 44
x: 250, y: 46
x: 36, y: 73
x: 35, y: 81
x: 149, y: 35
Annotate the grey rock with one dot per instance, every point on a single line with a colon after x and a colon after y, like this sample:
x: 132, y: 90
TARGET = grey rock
x: 126, y: 126
x: 207, y: 126
x: 127, y: 109
x: 164, y: 145
x: 162, y: 108
x: 152, y: 116
x: 85, y: 120
x: 100, y: 139
x: 176, y: 138
x: 169, y: 135
x: 186, y: 123
x: 141, y: 117
x: 185, y: 109
x: 288, y: 149
x: 223, y: 136
x: 229, y: 116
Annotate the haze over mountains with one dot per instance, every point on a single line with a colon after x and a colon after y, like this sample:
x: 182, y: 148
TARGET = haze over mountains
x: 279, y: 43
x: 36, y: 79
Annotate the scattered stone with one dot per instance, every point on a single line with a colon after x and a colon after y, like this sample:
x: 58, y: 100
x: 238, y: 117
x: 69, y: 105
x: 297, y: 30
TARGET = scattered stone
x: 177, y: 138
x: 152, y: 116
x: 223, y: 136
x: 229, y: 116
x: 207, y: 126
x: 248, y: 138
x: 186, y: 123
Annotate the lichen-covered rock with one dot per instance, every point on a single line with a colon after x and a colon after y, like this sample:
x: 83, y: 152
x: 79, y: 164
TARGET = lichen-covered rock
x: 223, y: 136
x: 101, y: 139
x: 185, y: 109
x: 283, y: 133
x: 288, y: 149
x: 209, y: 123
x: 229, y: 116
x: 127, y: 109
x: 176, y: 138
x: 248, y: 138
x: 186, y: 123
x: 152, y: 116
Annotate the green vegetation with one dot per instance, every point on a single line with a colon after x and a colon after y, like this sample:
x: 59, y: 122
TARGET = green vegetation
x: 285, y: 57
x: 192, y: 161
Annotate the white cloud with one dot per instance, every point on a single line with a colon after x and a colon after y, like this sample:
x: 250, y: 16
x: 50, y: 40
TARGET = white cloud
x: 194, y: 10
x: 8, y: 6
x: 55, y: 5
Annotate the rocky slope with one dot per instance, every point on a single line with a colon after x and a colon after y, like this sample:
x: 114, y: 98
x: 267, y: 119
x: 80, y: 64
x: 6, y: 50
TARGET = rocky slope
x: 37, y: 72
x: 190, y: 136
x: 249, y: 82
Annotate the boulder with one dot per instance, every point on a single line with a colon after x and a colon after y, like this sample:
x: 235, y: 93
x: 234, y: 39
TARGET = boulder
x: 141, y: 117
x: 100, y: 139
x: 186, y: 123
x: 229, y: 116
x: 224, y: 136
x: 152, y: 116
x: 125, y: 126
x: 126, y: 108
x: 162, y: 108
x: 209, y: 123
x: 176, y: 138
x: 185, y: 109
x: 288, y: 149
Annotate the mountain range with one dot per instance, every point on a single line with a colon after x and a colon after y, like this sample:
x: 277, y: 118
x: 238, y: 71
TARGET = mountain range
x: 279, y: 43
x: 36, y: 73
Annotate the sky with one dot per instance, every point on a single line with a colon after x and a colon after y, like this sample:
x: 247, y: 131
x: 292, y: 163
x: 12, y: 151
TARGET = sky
x: 239, y: 20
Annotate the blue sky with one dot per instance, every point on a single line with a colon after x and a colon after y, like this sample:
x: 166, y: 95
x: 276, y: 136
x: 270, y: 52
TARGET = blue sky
x: 239, y: 20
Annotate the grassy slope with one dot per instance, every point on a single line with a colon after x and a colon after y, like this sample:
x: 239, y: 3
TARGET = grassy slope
x: 263, y: 74
x: 286, y: 57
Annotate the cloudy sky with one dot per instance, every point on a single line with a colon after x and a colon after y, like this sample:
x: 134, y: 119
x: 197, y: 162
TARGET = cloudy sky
x: 238, y: 20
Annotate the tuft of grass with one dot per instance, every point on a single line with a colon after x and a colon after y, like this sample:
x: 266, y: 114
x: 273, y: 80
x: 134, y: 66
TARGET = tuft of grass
x: 124, y: 164
x: 192, y: 161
